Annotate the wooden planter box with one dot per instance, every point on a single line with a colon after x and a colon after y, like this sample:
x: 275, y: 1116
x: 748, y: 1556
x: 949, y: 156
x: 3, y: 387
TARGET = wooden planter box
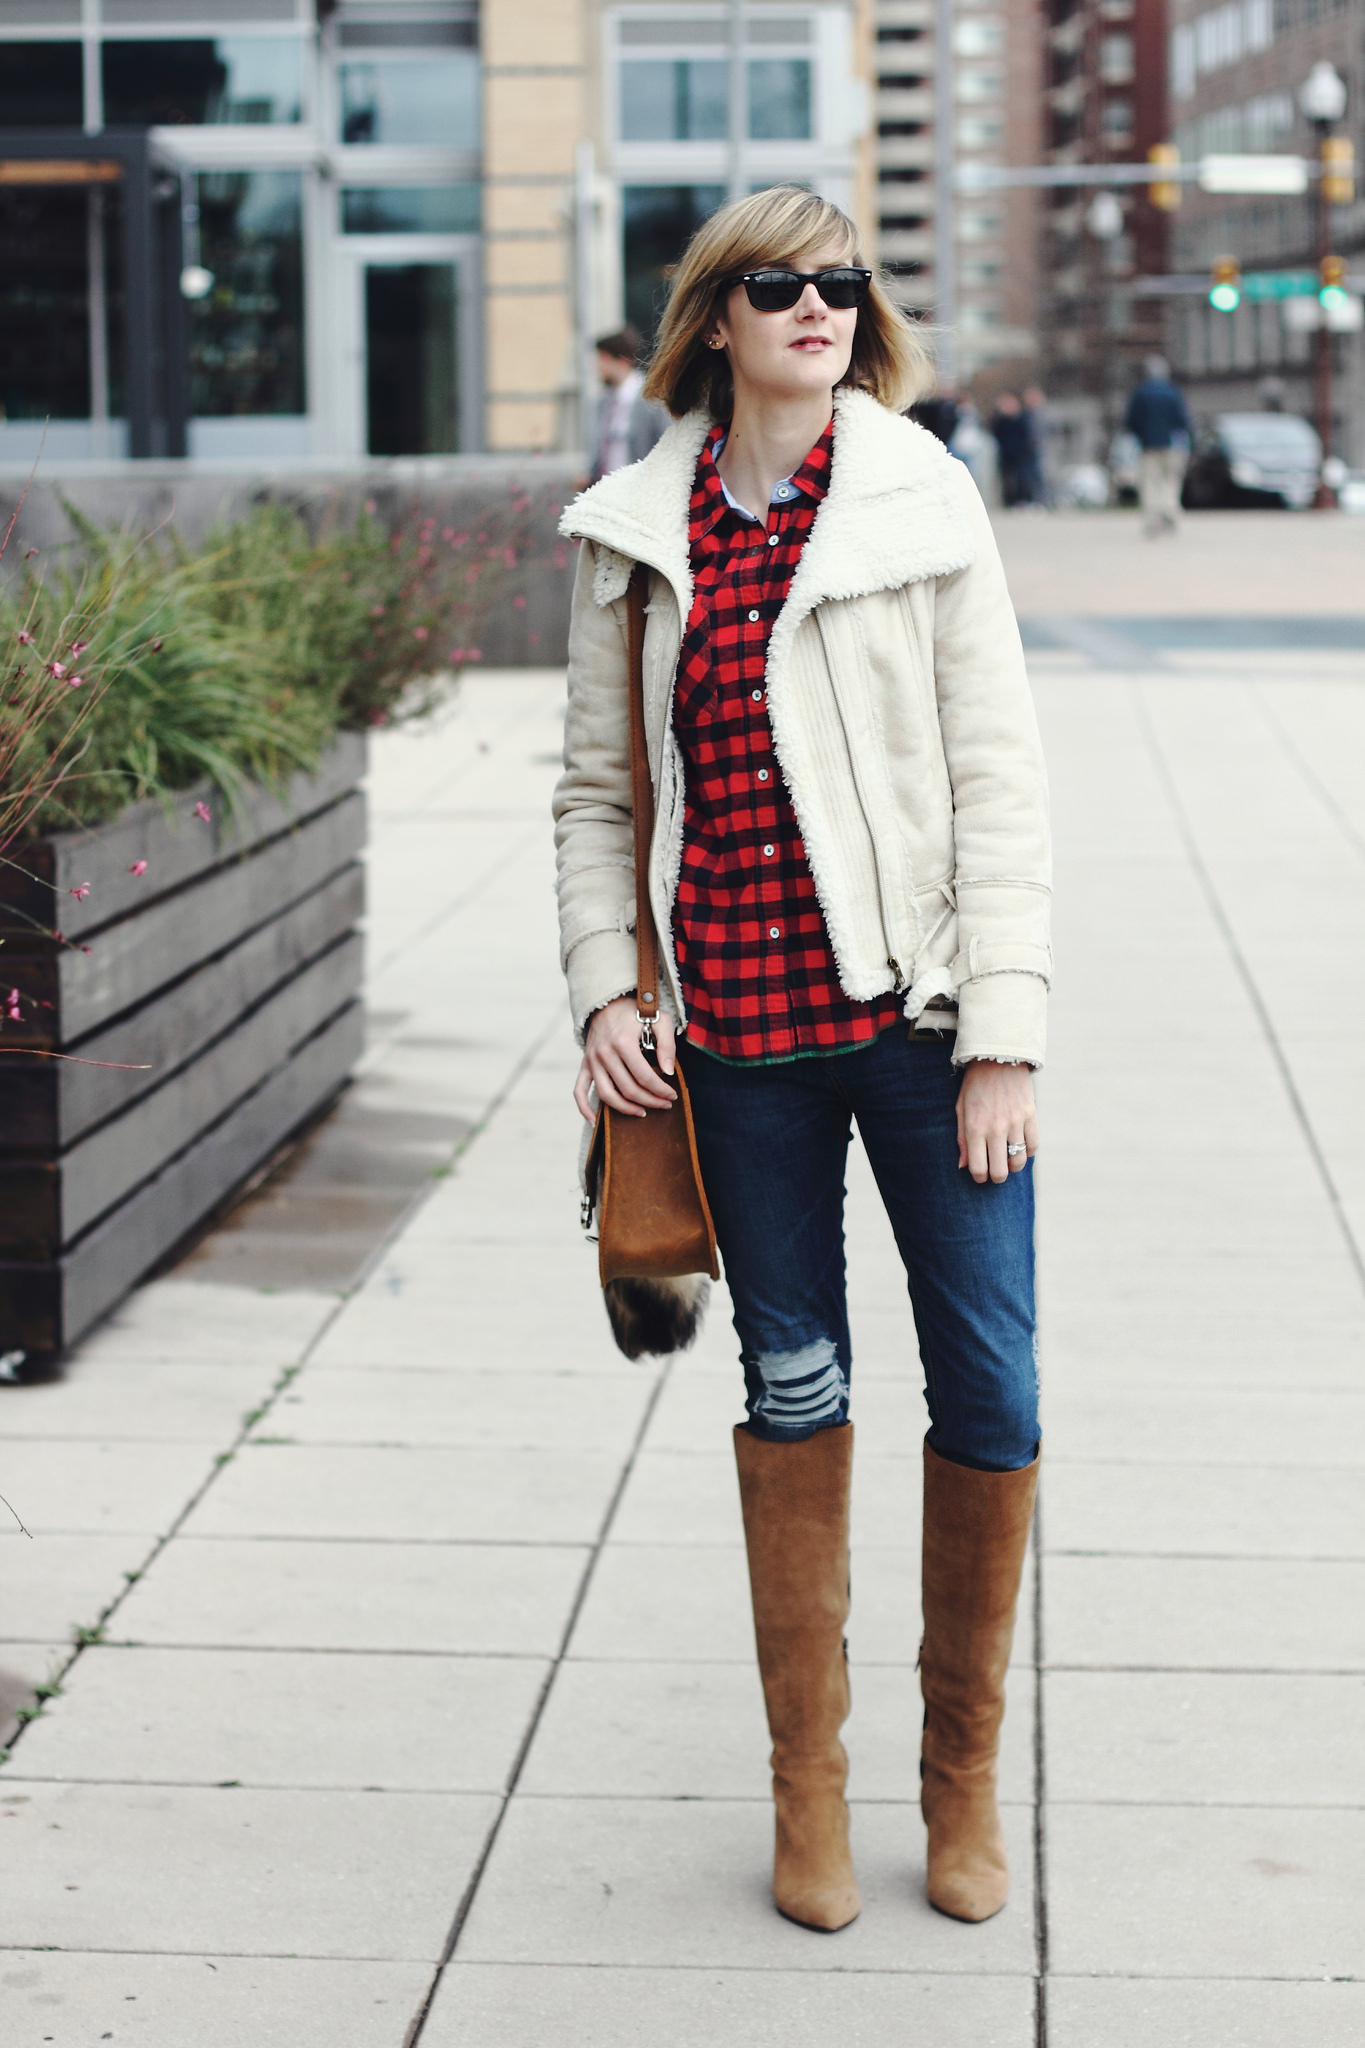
x: 231, y: 969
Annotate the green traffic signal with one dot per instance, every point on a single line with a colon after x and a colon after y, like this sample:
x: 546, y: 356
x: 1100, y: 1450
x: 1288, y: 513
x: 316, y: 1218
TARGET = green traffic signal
x: 1225, y: 298
x: 1333, y: 297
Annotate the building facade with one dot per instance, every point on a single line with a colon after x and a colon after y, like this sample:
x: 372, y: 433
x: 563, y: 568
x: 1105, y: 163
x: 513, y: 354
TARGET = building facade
x: 1237, y: 70
x: 995, y: 63
x: 1106, y: 102
x: 378, y: 227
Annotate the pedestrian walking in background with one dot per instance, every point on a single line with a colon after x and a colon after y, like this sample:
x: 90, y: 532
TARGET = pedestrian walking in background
x: 1012, y: 440
x: 973, y: 445
x: 849, y: 876
x: 627, y: 424
x: 939, y: 414
x: 1158, y: 417
x: 1037, y: 488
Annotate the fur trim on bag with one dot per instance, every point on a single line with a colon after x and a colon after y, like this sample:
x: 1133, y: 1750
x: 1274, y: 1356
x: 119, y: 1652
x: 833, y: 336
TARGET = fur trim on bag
x: 653, y: 1317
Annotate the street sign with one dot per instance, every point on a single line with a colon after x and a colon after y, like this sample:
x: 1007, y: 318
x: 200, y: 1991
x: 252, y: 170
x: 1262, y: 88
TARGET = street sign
x: 1287, y: 174
x: 1279, y: 284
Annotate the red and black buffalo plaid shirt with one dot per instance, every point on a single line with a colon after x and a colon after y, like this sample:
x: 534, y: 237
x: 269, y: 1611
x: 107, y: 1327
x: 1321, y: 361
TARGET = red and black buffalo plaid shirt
x: 754, y: 957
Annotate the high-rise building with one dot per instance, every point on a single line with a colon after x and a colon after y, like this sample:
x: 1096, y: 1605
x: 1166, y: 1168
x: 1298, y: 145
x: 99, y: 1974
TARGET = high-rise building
x: 995, y: 82
x: 1238, y: 69
x: 1106, y: 102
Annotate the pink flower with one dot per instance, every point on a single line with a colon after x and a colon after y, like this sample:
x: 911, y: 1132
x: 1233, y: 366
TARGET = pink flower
x: 369, y: 505
x: 457, y: 540
x: 55, y: 668
x: 519, y: 604
x: 25, y: 638
x: 447, y: 533
x: 79, y: 646
x: 80, y: 892
x: 509, y: 555
x: 419, y: 633
x: 376, y: 611
x: 201, y: 810
x: 74, y: 682
x: 139, y: 867
x: 29, y: 553
x: 473, y: 654
x: 157, y: 646
x: 13, y: 1006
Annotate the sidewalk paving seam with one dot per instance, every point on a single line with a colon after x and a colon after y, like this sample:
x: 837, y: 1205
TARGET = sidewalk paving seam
x: 462, y: 1910
x: 90, y: 1636
x: 1040, y: 1917
x: 1242, y: 968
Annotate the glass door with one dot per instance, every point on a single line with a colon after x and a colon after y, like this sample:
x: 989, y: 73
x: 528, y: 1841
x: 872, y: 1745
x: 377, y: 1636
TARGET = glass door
x: 415, y: 387
x: 411, y: 359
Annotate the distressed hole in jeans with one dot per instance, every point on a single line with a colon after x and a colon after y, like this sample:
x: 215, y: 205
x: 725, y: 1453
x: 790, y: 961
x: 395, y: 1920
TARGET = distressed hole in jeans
x: 802, y: 1389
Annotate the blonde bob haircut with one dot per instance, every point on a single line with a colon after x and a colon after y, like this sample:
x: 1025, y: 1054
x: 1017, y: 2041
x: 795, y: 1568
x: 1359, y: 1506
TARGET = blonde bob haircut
x: 782, y: 225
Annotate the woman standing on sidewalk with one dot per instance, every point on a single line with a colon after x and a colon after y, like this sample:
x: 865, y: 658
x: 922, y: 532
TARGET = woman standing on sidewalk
x: 850, y: 858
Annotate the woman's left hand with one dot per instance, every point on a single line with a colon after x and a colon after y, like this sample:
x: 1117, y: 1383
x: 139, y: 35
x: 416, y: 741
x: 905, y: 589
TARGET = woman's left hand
x: 995, y: 1110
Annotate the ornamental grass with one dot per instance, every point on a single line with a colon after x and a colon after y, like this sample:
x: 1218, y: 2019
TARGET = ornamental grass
x: 135, y: 667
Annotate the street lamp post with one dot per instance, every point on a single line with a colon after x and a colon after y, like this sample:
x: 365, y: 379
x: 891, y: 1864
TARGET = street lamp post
x: 945, y: 201
x: 1323, y: 100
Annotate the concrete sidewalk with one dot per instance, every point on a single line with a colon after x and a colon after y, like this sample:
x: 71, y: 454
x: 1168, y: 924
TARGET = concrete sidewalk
x: 425, y: 1708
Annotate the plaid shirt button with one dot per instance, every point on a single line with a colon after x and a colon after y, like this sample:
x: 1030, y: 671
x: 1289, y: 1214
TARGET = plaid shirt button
x: 754, y: 990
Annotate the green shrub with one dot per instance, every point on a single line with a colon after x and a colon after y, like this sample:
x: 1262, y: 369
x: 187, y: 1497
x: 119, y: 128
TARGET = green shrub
x: 144, y: 668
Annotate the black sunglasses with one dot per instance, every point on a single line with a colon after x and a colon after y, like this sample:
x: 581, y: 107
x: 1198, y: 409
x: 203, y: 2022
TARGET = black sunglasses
x: 775, y: 291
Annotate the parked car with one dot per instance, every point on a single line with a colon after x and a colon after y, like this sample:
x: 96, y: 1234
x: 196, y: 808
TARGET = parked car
x: 1253, y: 458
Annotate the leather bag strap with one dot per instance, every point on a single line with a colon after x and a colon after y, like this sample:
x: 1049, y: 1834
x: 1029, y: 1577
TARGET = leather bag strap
x: 642, y: 805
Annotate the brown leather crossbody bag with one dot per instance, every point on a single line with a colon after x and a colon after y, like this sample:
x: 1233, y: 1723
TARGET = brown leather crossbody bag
x: 656, y: 1243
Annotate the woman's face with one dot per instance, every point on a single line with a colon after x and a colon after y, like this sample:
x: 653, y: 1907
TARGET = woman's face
x: 792, y: 354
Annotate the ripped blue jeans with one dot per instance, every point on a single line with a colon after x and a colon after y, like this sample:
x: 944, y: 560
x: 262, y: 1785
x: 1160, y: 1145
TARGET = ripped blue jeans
x: 773, y: 1143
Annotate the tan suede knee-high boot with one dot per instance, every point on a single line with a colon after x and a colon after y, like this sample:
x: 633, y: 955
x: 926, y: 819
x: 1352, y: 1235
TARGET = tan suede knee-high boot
x: 976, y: 1528
x: 795, y: 1501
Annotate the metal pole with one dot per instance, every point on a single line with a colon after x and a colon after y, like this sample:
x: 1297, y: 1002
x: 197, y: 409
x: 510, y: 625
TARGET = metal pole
x: 739, y: 100
x: 96, y: 313
x: 1326, y: 498
x: 139, y: 286
x: 945, y: 199
x: 583, y: 210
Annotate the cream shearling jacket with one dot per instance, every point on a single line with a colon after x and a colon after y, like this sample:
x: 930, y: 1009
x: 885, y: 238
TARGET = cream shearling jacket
x: 900, y: 713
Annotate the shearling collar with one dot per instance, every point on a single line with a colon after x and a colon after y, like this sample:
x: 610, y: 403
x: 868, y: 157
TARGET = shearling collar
x: 894, y: 513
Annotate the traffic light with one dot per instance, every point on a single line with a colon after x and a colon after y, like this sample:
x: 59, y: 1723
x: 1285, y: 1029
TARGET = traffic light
x: 1225, y: 284
x: 1338, y: 170
x: 1332, y: 291
x: 1164, y: 193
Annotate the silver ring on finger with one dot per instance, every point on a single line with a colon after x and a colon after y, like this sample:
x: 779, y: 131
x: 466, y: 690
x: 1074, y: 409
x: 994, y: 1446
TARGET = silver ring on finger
x: 1016, y: 1151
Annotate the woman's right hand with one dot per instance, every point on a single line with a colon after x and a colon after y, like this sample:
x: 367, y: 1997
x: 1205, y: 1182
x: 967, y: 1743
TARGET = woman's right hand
x: 615, y: 1065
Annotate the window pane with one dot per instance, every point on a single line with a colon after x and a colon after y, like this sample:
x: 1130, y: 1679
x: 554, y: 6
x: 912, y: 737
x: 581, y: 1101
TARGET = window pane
x: 44, y: 335
x: 684, y: 99
x: 648, y: 101
x: 246, y: 335
x: 434, y: 99
x: 411, y: 210
x: 231, y: 79
x: 40, y: 85
x: 659, y: 220
x: 779, y: 99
